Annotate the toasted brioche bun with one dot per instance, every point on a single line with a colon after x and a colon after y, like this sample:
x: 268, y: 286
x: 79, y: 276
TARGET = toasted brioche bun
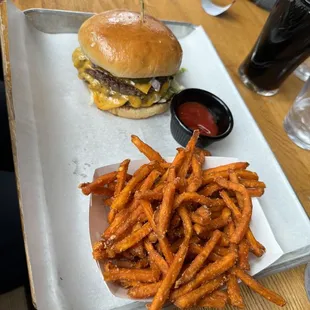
x: 119, y: 42
x: 129, y: 112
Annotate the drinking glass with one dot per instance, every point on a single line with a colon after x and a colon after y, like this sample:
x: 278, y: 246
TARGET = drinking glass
x: 282, y: 46
x: 297, y: 121
x: 303, y: 71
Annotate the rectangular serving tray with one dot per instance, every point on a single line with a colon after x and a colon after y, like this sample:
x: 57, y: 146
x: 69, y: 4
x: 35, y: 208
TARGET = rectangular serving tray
x: 59, y: 140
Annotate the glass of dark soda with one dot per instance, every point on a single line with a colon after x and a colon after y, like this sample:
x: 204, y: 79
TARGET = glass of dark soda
x: 282, y: 46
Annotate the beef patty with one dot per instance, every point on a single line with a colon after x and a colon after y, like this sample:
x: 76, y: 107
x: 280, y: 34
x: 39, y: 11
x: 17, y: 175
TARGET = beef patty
x: 119, y: 85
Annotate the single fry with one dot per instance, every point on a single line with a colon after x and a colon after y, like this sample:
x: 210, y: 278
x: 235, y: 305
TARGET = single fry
x: 150, y: 180
x: 233, y: 166
x: 149, y: 195
x: 141, y: 275
x: 121, y: 177
x: 256, y: 248
x: 87, y: 188
x: 111, y: 215
x: 246, y: 174
x: 208, y: 273
x: 189, y: 150
x: 234, y: 178
x: 144, y: 148
x: 217, y: 299
x: 156, y: 258
x: 221, y: 250
x: 142, y: 263
x: 144, y: 291
x: 165, y: 209
x: 256, y: 192
x: 243, y: 252
x: 233, y: 291
x: 187, y: 224
x: 171, y: 174
x: 177, y: 162
x: 198, y: 262
x: 132, y: 239
x: 258, y: 288
x: 244, y: 222
x: 252, y: 183
x: 208, y: 178
x: 195, y: 179
x: 230, y: 232
x: 192, y: 298
x: 231, y: 205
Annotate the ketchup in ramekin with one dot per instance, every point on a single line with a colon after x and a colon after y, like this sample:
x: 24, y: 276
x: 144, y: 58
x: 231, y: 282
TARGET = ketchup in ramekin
x: 195, y: 115
x: 199, y: 109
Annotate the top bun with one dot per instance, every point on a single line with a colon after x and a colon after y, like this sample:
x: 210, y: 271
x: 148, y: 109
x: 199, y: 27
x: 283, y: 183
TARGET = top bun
x: 119, y: 42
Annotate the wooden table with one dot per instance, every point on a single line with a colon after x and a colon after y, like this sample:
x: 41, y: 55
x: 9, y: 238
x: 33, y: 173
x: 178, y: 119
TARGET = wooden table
x: 233, y: 35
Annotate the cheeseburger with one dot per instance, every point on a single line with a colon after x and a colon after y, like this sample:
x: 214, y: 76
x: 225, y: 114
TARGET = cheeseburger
x: 128, y: 64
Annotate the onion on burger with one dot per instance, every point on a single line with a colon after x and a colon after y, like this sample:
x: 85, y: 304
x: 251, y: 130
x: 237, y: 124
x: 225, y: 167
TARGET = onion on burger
x: 129, y: 65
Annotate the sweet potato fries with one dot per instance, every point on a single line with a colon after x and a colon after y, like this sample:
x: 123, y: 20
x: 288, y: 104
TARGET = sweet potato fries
x: 178, y: 233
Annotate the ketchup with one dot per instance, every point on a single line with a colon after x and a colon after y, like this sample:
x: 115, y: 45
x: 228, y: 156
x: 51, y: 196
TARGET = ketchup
x: 195, y: 115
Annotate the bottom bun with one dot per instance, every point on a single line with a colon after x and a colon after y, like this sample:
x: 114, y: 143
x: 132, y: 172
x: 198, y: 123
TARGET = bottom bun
x: 140, y: 113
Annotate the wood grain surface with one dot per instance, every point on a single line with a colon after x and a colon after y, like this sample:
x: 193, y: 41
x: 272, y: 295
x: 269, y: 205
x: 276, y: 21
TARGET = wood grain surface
x: 233, y: 35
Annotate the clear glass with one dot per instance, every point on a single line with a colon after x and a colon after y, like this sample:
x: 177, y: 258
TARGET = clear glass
x: 297, y: 121
x: 281, y: 47
x: 303, y: 71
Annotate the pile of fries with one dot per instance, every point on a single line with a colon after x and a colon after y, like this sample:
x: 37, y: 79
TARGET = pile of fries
x: 179, y: 233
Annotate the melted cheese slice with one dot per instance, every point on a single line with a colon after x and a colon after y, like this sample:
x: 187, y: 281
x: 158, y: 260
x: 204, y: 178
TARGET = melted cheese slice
x: 143, y: 87
x: 104, y: 98
x: 104, y: 102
